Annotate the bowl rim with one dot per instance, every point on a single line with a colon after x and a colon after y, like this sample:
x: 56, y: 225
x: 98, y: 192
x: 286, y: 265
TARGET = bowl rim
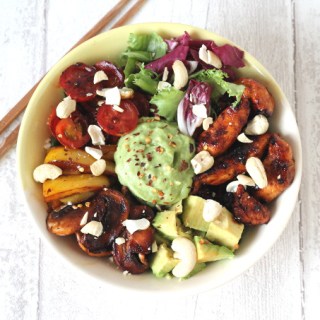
x: 119, y: 288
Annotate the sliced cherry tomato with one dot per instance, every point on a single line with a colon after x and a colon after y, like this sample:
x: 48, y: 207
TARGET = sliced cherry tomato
x: 53, y: 121
x: 116, y: 122
x: 115, y: 75
x: 141, y: 103
x: 77, y: 82
x: 72, y: 132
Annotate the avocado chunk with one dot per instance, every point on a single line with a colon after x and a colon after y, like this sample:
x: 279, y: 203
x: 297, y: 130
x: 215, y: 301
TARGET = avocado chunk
x: 197, y: 268
x: 192, y: 213
x: 225, y: 231
x: 169, y: 225
x: 207, y: 251
x: 162, y: 262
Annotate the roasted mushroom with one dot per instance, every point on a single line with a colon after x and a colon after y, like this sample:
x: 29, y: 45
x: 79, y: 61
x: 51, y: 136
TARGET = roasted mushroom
x: 131, y: 255
x: 110, y: 208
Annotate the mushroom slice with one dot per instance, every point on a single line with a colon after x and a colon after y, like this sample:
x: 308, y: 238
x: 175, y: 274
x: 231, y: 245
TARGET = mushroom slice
x: 110, y: 208
x: 66, y: 221
x: 128, y: 260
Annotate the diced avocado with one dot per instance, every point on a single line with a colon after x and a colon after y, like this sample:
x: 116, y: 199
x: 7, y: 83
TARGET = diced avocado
x: 160, y: 238
x: 197, y: 268
x: 192, y: 213
x: 166, y: 223
x: 207, y: 251
x: 225, y: 230
x: 162, y: 261
x: 169, y: 225
x: 177, y: 207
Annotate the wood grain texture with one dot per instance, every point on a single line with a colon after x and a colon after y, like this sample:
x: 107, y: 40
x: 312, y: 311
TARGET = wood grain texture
x: 307, y: 22
x: 284, y: 284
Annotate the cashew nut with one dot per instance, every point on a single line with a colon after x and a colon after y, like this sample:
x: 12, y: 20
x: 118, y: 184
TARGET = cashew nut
x: 65, y: 108
x: 180, y: 74
x: 243, y: 138
x: 97, y: 168
x: 46, y: 171
x: 96, y: 135
x: 202, y: 162
x: 99, y: 76
x: 258, y: 125
x: 209, y: 57
x: 211, y: 210
x: 257, y: 172
x: 185, y: 251
x: 112, y: 95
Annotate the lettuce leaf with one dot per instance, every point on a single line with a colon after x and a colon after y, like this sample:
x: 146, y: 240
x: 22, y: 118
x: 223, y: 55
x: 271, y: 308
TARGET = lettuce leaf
x: 216, y: 79
x: 167, y: 101
x: 152, y: 45
x: 146, y: 80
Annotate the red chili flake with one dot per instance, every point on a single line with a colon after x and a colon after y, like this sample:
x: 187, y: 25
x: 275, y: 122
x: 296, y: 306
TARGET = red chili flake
x: 149, y: 156
x: 159, y: 149
x: 129, y: 160
x: 154, y: 201
x: 136, y: 134
x: 160, y: 193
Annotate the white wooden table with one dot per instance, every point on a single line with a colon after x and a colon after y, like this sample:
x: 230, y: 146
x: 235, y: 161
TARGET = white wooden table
x: 285, y: 284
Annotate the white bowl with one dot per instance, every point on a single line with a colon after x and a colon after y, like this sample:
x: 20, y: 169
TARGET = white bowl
x: 34, y: 132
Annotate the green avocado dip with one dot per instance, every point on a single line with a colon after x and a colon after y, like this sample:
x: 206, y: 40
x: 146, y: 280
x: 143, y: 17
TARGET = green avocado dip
x: 153, y: 161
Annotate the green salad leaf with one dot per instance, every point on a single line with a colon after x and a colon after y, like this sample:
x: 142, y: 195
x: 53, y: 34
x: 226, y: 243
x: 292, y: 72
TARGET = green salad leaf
x: 151, y: 43
x: 216, y: 78
x: 145, y: 79
x: 167, y: 101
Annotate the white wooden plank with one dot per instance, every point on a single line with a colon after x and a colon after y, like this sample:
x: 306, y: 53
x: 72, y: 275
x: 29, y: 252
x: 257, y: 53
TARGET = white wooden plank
x: 308, y: 98
x: 22, y: 43
x: 269, y: 290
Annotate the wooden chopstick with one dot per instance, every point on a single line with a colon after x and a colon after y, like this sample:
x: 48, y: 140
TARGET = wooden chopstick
x: 22, y: 104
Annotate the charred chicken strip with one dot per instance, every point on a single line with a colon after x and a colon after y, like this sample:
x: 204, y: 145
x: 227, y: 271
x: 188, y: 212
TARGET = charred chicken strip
x: 261, y: 100
x: 231, y: 164
x: 225, y: 129
x: 248, y: 210
x: 280, y: 169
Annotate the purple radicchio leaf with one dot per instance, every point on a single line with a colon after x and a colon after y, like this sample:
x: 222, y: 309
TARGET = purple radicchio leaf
x: 178, y: 53
x: 230, y: 55
x: 197, y: 93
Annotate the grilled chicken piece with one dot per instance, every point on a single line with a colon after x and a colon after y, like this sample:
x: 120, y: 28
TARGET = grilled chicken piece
x: 248, y: 210
x: 225, y: 129
x: 231, y: 164
x: 280, y: 169
x: 261, y: 100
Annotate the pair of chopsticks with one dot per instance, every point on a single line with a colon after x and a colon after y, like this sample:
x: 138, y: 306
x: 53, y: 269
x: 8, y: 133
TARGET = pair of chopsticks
x: 22, y: 104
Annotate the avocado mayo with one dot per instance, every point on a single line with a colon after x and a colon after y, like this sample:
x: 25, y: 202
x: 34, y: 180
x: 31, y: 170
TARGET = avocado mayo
x: 153, y: 161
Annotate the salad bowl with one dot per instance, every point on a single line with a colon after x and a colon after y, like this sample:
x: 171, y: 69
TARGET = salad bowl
x: 30, y: 153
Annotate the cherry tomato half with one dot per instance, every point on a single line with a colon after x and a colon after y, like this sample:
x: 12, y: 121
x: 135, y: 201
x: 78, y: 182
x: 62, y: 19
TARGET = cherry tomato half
x: 115, y: 75
x: 72, y: 132
x: 77, y: 82
x: 53, y: 121
x: 118, y: 122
